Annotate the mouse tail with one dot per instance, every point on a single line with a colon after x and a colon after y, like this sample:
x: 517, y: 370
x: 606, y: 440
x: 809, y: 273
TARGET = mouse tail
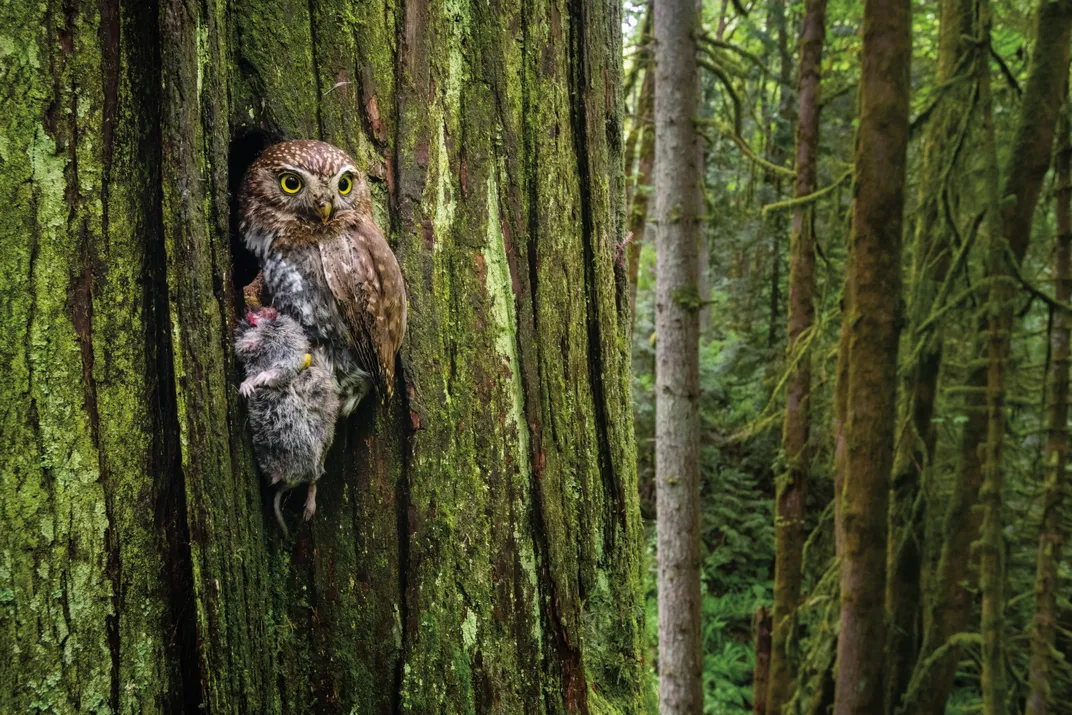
x: 279, y: 512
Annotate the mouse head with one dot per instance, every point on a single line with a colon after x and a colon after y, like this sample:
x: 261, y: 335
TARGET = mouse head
x: 269, y: 313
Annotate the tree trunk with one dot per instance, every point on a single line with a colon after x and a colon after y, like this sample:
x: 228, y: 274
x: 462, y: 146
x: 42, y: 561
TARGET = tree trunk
x: 790, y: 501
x: 949, y: 607
x: 638, y: 207
x: 477, y: 545
x: 779, y: 138
x: 677, y: 309
x: 703, y: 260
x: 1043, y: 633
x: 761, y: 626
x: 641, y: 66
x: 942, y: 150
x: 875, y: 277
x: 991, y: 544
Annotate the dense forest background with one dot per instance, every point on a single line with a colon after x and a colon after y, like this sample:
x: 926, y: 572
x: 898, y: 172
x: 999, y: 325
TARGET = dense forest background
x: 978, y: 102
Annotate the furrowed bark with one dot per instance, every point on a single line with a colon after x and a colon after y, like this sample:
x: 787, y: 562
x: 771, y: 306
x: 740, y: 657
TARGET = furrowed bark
x: 477, y: 545
x: 677, y: 309
x: 1051, y: 536
x: 917, y: 436
x: 790, y: 501
x: 85, y: 605
x: 949, y: 606
x: 875, y: 277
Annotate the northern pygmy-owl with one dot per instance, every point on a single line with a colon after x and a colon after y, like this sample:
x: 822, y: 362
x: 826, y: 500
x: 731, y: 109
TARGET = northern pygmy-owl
x: 306, y: 213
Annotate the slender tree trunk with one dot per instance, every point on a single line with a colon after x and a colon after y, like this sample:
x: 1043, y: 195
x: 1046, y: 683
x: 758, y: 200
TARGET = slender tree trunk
x: 638, y: 208
x: 677, y: 308
x: 942, y: 148
x: 1043, y: 633
x: 841, y: 410
x: 777, y: 149
x: 459, y: 558
x: 949, y: 607
x: 761, y: 626
x: 875, y: 286
x: 991, y: 544
x: 642, y: 68
x: 723, y: 20
x: 703, y: 261
x: 792, y: 488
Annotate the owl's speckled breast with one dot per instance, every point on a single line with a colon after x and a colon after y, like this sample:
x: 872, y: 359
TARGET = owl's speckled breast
x: 298, y: 288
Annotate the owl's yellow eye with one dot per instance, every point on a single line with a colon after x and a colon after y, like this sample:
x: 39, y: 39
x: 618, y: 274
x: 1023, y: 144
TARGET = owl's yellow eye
x: 290, y: 183
x: 346, y: 184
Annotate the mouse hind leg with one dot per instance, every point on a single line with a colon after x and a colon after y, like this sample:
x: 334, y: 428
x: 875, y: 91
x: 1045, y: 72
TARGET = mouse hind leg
x: 310, y: 502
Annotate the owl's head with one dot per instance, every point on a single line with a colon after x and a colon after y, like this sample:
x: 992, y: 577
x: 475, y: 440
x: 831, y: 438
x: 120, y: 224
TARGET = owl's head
x: 299, y: 192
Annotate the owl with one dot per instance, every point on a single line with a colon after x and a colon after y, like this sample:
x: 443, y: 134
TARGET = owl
x: 305, y: 211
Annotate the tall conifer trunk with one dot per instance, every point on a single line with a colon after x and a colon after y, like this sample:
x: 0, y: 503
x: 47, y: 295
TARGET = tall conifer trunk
x: 943, y: 150
x: 991, y: 544
x: 677, y: 309
x: 1051, y: 536
x: 792, y: 488
x: 874, y: 276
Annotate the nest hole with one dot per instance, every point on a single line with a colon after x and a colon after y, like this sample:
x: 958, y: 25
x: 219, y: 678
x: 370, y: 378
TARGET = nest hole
x: 246, y: 145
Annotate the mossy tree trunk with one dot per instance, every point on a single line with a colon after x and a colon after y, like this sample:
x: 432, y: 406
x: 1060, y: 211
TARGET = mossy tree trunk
x: 873, y: 326
x: 789, y: 510
x: 949, y: 605
x: 477, y: 543
x: 932, y: 256
x: 1001, y: 294
x: 1041, y: 673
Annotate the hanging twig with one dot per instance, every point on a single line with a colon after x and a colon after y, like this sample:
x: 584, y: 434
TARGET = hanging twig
x: 1009, y: 76
x: 1036, y: 292
x: 722, y: 44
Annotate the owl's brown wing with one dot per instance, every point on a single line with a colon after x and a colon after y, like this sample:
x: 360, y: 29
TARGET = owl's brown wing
x: 363, y: 275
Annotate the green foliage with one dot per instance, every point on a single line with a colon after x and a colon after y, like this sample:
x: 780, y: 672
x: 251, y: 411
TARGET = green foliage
x: 742, y: 363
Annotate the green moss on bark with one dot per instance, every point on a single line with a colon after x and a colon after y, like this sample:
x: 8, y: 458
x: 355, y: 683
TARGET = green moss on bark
x: 476, y: 545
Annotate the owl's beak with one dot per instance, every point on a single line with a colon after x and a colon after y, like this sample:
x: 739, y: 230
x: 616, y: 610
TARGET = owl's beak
x: 325, y: 209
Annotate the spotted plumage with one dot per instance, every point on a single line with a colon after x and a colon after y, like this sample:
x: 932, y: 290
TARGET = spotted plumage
x: 306, y: 213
